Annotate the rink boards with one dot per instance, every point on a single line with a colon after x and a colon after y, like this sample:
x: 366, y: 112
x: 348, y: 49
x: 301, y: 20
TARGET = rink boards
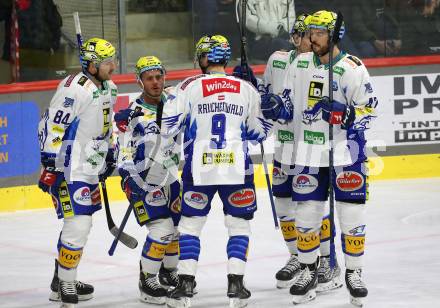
x: 404, y: 142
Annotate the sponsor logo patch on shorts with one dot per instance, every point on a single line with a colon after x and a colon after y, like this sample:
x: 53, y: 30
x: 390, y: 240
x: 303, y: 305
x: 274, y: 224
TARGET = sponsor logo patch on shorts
x: 156, y: 198
x: 82, y: 196
x: 175, y: 206
x: 304, y: 184
x: 278, y: 176
x: 242, y: 198
x: 196, y: 200
x: 349, y: 181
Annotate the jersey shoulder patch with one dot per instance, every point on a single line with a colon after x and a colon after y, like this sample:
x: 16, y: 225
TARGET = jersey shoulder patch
x: 189, y: 80
x: 69, y: 81
x: 355, y: 60
x: 82, y: 80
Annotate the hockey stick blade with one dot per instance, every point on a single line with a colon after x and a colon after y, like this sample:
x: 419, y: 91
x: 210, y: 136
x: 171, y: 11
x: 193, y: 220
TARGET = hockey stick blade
x: 338, y: 25
x: 124, y: 238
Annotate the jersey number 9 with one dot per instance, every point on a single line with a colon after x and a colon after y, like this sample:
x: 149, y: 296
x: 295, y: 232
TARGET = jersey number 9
x: 218, y: 129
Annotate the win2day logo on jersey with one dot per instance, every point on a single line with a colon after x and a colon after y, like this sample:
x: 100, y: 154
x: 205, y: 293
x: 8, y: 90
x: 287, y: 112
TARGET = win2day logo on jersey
x: 219, y: 85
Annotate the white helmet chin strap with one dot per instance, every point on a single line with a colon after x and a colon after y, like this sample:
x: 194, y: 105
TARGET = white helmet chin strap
x: 292, y: 40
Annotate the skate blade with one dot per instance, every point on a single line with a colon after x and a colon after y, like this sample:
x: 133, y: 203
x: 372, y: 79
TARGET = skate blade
x: 183, y: 302
x: 284, y: 284
x: 151, y: 299
x: 55, y: 297
x: 237, y: 302
x: 356, y: 301
x: 333, y: 284
x: 67, y: 305
x: 300, y: 299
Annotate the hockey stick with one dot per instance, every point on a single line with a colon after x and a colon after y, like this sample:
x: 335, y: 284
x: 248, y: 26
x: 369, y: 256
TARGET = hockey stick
x: 333, y: 40
x: 111, y: 251
x: 241, y: 21
x: 125, y: 239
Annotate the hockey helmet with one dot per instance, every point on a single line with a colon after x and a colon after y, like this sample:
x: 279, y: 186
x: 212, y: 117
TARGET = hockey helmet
x: 326, y: 20
x: 216, y: 47
x: 301, y: 24
x: 148, y: 63
x: 96, y: 50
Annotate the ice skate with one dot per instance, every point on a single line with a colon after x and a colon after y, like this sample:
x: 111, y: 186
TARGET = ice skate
x: 168, y: 277
x: 356, y: 287
x: 68, y: 295
x: 84, y: 290
x: 287, y: 275
x: 180, y: 296
x: 304, y: 288
x: 328, y: 278
x: 237, y: 292
x: 151, y: 291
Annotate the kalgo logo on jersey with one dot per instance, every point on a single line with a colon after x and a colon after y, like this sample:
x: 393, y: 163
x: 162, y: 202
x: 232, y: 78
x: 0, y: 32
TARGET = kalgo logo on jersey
x: 242, y: 198
x: 349, y: 181
x: 218, y: 85
x: 304, y: 184
x: 195, y: 199
x: 82, y: 196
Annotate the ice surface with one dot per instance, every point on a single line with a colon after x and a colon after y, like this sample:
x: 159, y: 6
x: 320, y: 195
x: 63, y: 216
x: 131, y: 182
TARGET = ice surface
x: 402, y: 260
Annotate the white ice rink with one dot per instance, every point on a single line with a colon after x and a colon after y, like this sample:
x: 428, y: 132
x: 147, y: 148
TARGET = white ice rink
x: 402, y: 260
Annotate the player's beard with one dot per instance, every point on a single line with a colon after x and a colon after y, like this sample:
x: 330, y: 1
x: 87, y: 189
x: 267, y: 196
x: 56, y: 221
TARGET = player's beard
x: 319, y: 50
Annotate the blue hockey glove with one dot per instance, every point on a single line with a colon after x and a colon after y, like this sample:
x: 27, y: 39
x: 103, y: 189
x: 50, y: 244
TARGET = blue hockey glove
x: 50, y: 180
x: 273, y: 108
x: 110, y: 165
x: 245, y: 73
x: 335, y: 112
x: 124, y: 116
x: 132, y: 190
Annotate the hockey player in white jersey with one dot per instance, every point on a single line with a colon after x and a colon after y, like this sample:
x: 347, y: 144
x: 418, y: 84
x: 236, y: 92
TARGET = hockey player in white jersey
x: 274, y: 74
x: 148, y: 167
x: 351, y: 111
x: 219, y: 114
x: 74, y: 135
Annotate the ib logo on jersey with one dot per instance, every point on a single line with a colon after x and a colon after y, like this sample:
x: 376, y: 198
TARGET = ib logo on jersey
x: 304, y: 184
x: 82, y: 196
x: 195, y: 199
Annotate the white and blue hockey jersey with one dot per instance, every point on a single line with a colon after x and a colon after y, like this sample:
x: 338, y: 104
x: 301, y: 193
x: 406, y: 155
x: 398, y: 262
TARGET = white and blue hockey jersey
x: 76, y: 129
x: 219, y: 115
x: 306, y: 83
x: 143, y: 153
x: 272, y: 82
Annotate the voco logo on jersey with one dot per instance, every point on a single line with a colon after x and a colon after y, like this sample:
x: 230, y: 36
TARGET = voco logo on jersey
x: 311, y: 137
x: 218, y: 85
x: 349, y: 181
x: 242, y: 198
x: 315, y: 93
x: 304, y: 183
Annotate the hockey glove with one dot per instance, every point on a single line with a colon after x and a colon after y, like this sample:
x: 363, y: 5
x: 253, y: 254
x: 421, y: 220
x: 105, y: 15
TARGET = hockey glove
x: 124, y: 116
x: 110, y: 165
x: 273, y: 108
x: 50, y: 180
x: 335, y: 112
x: 246, y: 73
